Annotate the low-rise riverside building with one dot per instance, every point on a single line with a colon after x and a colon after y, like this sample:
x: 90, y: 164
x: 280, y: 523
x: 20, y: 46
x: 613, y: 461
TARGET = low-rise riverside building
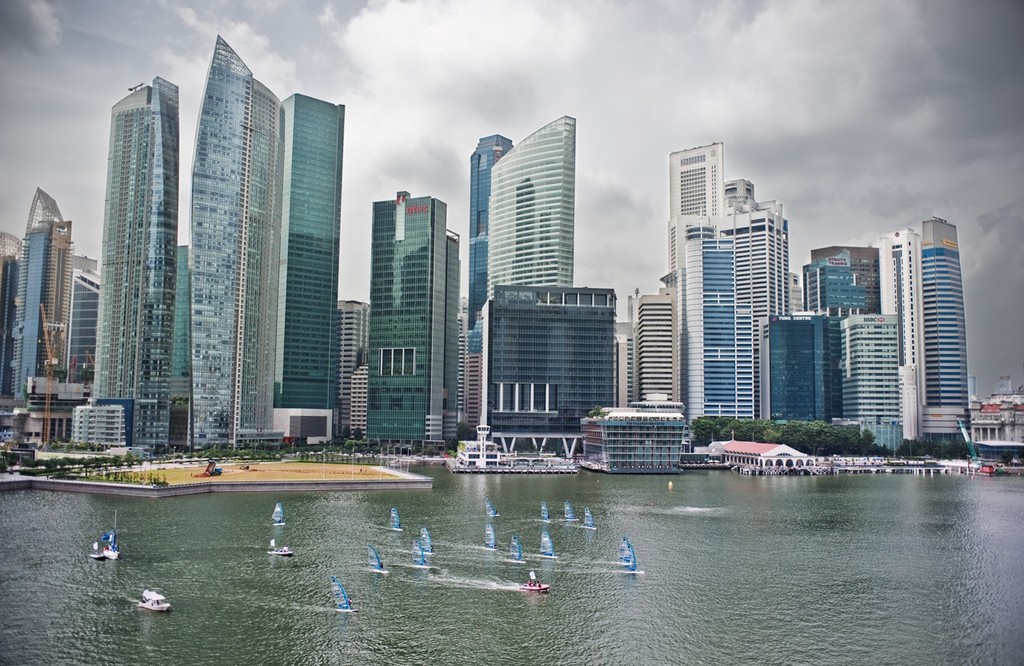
x: 763, y: 456
x: 644, y: 438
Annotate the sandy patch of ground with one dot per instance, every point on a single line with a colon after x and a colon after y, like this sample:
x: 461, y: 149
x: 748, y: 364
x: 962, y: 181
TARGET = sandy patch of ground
x: 289, y: 471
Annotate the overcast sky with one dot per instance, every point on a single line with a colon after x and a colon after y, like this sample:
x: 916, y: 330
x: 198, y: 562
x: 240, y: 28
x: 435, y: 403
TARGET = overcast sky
x: 860, y: 117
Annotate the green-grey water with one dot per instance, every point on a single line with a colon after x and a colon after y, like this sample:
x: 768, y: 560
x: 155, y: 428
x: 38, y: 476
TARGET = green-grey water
x: 736, y: 570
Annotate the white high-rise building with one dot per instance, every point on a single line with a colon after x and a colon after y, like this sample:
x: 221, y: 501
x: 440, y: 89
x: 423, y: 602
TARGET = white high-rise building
x: 656, y: 340
x: 899, y: 254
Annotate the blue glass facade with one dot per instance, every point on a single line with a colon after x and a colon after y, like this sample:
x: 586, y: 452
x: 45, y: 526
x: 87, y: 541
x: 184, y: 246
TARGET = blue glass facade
x: 550, y: 358
x: 10, y: 251
x: 236, y: 223
x: 488, y: 151
x: 413, y: 331
x: 83, y: 333
x: 140, y: 239
x: 305, y: 374
x: 942, y: 296
x: 799, y: 376
x: 830, y: 287
x: 181, y: 354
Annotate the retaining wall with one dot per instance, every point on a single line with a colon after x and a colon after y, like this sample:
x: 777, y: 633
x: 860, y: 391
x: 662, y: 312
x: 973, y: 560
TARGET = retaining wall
x: 128, y: 490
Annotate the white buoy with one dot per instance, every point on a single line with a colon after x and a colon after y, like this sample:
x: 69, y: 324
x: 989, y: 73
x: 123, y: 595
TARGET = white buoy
x: 670, y: 485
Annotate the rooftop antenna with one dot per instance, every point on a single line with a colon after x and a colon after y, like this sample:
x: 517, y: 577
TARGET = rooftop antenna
x: 134, y: 88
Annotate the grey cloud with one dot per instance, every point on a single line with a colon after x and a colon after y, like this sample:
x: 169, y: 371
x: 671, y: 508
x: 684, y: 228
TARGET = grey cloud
x: 31, y: 25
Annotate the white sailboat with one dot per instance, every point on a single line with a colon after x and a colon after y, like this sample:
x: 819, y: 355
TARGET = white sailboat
x: 110, y: 549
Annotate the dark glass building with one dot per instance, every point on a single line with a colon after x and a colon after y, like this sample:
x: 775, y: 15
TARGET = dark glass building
x: 413, y: 330
x: 864, y: 263
x: 10, y: 251
x: 799, y: 380
x: 831, y: 287
x: 550, y: 360
x: 488, y: 151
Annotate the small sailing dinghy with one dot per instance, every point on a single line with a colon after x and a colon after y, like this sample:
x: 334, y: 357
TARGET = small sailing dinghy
x: 344, y: 604
x: 284, y: 551
x: 489, y: 537
x: 110, y: 550
x: 515, y: 550
x: 491, y: 511
x: 419, y: 558
x: 153, y: 601
x: 376, y: 564
x: 396, y: 525
x: 570, y: 515
x: 425, y: 541
x: 534, y: 585
x: 544, y: 512
x: 588, y: 519
x: 278, y: 515
x: 547, y: 549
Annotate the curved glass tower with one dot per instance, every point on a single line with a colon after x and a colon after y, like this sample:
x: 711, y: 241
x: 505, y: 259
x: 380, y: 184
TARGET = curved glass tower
x: 140, y: 236
x: 236, y: 224
x: 532, y: 210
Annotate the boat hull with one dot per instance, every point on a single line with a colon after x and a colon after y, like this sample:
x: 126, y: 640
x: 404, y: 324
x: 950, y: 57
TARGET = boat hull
x: 539, y: 587
x: 159, y: 608
x: 280, y: 551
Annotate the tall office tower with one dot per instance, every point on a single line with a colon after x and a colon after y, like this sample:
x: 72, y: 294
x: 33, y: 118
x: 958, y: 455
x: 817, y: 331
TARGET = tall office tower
x: 353, y: 332
x: 697, y: 181
x: 624, y: 363
x: 870, y: 375
x: 760, y: 236
x: 488, y: 151
x: 83, y: 328
x: 181, y: 353
x: 463, y: 334
x: 796, y: 380
x: 900, y: 293
x: 140, y: 239
x: 550, y: 360
x: 414, y: 335
x: 236, y: 224
x: 656, y: 343
x: 718, y: 351
x: 944, y: 330
x: 10, y: 253
x: 305, y: 374
x: 533, y: 209
x: 795, y: 292
x: 863, y: 263
x: 831, y: 287
x: 360, y: 380
x: 44, y: 279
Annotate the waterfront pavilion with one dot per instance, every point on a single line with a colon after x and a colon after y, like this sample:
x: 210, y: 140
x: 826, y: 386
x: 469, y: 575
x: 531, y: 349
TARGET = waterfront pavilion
x: 763, y: 456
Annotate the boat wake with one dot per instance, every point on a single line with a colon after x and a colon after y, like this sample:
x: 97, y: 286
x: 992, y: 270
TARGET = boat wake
x: 474, y: 583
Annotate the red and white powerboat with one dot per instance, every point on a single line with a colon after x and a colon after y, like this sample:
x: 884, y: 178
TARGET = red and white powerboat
x: 534, y: 585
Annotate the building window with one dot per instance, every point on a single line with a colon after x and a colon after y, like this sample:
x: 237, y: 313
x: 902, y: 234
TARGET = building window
x: 397, y: 361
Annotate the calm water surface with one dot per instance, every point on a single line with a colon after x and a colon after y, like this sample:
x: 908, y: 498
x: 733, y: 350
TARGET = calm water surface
x: 737, y: 570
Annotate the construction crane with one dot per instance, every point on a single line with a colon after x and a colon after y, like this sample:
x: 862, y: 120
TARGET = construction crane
x: 50, y: 362
x: 970, y: 444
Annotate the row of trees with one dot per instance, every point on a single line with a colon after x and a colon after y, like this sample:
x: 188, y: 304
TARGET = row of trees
x: 810, y: 437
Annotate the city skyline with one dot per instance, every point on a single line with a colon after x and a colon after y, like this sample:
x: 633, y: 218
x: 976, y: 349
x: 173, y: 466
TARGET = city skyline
x: 924, y: 127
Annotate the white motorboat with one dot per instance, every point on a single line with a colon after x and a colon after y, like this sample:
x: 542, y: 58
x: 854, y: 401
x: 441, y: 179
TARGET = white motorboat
x: 154, y: 601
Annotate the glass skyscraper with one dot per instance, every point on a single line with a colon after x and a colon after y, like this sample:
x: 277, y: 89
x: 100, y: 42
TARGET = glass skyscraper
x: 44, y: 279
x: 550, y: 360
x: 488, y: 151
x: 532, y: 210
x: 140, y: 238
x: 796, y: 371
x: 414, y: 331
x: 831, y: 288
x: 83, y: 329
x: 10, y: 253
x: 236, y: 224
x: 305, y: 373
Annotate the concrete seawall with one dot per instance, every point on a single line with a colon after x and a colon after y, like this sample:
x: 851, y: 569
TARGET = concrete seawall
x: 410, y: 482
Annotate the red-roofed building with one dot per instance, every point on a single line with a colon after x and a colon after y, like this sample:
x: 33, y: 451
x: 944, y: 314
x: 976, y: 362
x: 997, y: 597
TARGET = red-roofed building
x: 998, y: 418
x: 763, y: 456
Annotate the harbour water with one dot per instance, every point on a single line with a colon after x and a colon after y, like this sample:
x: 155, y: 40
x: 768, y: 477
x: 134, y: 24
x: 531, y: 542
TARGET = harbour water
x: 873, y: 569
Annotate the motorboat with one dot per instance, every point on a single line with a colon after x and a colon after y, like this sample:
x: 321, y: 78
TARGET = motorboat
x: 534, y: 585
x: 154, y: 601
x: 283, y: 551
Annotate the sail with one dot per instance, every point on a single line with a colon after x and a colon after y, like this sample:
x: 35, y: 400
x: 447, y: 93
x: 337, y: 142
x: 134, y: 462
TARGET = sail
x: 428, y: 545
x: 109, y: 537
x: 340, y: 595
x: 544, y: 512
x: 569, y: 513
x: 375, y: 562
x: 588, y: 519
x: 491, y: 511
x: 418, y: 558
x: 546, y: 547
x: 273, y: 544
x: 489, y: 536
x: 625, y: 549
x: 630, y: 561
x: 278, y: 515
x: 395, y: 524
x: 515, y: 549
